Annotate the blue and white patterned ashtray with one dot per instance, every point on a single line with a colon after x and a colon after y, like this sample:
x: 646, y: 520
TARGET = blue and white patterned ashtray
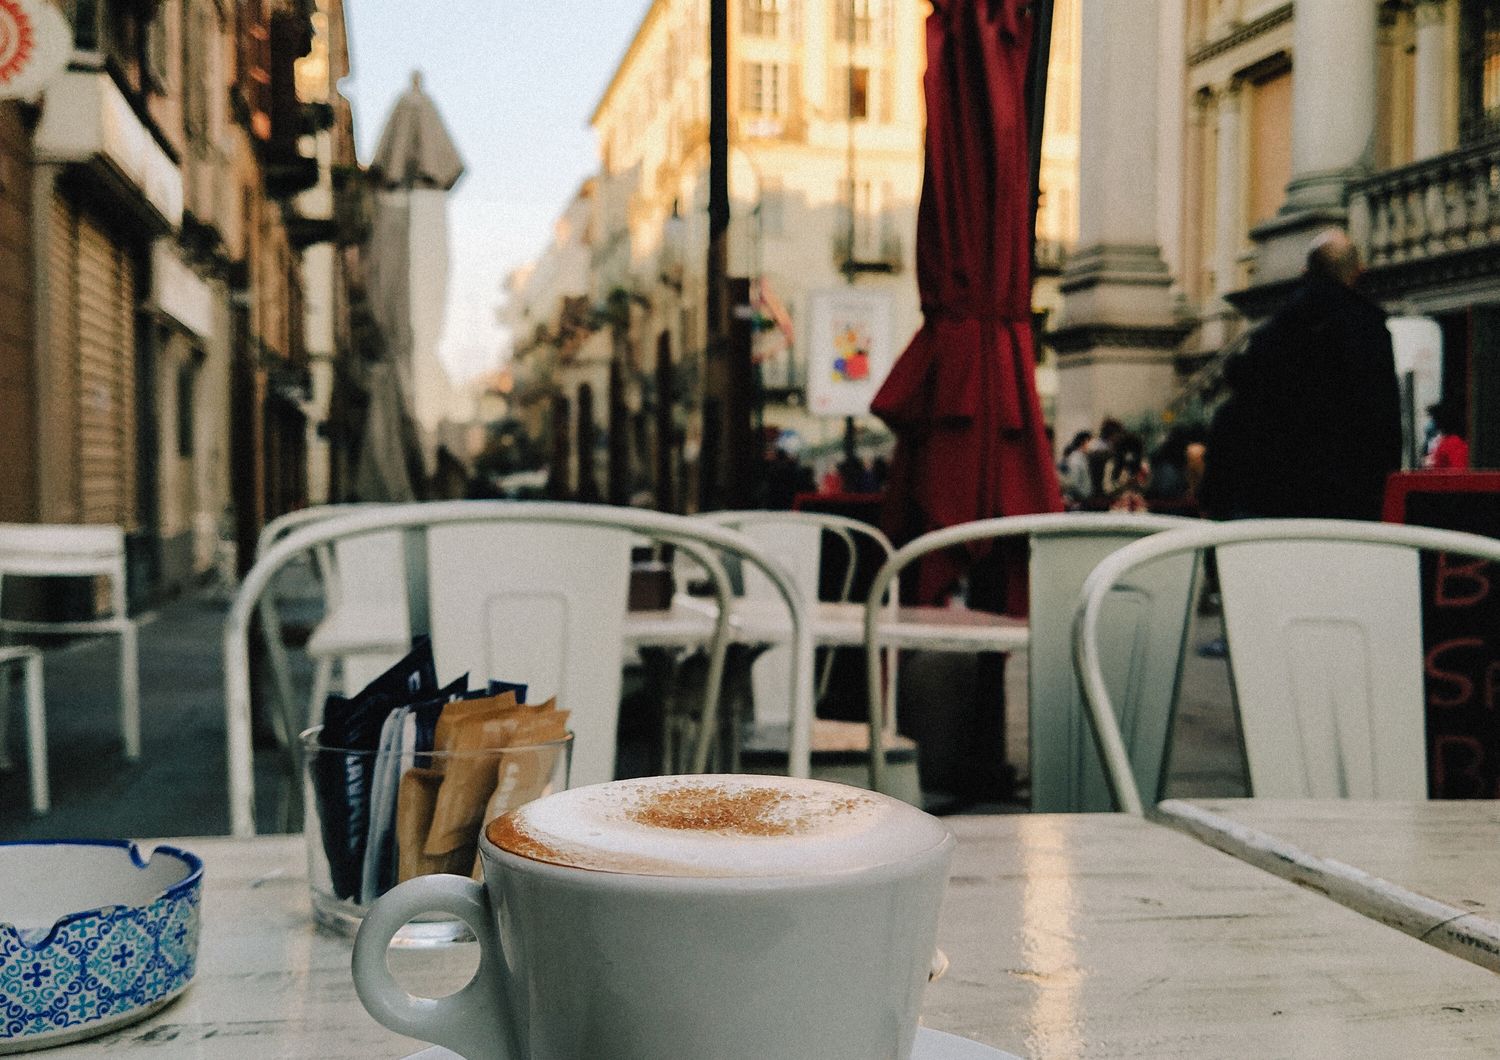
x: 92, y: 936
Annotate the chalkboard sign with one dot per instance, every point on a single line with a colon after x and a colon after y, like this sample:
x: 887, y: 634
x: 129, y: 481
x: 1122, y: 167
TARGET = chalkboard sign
x: 1460, y: 630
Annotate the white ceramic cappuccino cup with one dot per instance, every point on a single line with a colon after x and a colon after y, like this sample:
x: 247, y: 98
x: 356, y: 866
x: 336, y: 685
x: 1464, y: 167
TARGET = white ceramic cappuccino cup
x: 682, y: 918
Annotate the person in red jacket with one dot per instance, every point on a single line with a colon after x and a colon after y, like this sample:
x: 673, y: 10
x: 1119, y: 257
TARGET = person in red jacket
x: 1449, y: 449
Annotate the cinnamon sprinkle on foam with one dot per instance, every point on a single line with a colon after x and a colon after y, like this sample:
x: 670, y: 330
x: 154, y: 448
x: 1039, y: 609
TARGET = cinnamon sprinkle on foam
x: 507, y: 834
x: 743, y: 812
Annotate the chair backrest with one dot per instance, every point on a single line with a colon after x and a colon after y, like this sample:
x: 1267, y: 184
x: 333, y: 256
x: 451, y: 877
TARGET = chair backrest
x: 370, y: 588
x: 1323, y: 623
x: 1066, y: 773
x: 533, y: 592
x: 1144, y: 632
x: 285, y: 523
x: 368, y: 573
x: 66, y: 549
x: 797, y: 539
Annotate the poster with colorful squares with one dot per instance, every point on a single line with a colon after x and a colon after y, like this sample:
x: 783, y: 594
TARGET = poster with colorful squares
x: 849, y: 350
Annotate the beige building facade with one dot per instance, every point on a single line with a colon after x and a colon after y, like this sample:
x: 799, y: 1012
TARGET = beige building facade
x: 151, y: 278
x: 1218, y: 138
x: 826, y: 130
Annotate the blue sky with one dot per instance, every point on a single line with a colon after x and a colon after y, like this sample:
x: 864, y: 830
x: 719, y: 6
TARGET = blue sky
x: 515, y: 83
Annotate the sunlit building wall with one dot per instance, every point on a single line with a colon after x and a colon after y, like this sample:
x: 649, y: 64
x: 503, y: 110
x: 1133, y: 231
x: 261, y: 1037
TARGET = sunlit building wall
x: 825, y: 114
x: 807, y: 138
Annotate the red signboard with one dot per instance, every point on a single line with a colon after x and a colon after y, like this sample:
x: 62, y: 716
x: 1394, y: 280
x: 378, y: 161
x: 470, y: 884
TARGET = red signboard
x: 1460, y: 629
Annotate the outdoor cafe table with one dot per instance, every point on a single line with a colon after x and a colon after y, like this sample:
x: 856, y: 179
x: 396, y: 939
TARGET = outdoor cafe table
x: 1429, y: 868
x: 689, y: 622
x: 1068, y: 935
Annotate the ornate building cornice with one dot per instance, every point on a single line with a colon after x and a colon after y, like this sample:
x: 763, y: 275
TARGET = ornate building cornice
x: 1240, y: 34
x: 1081, y: 337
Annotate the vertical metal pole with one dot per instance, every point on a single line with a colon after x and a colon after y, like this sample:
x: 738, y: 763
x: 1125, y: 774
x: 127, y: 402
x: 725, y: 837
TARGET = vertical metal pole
x: 743, y: 448
x: 716, y: 369
x: 666, y: 442
x: 1036, y: 106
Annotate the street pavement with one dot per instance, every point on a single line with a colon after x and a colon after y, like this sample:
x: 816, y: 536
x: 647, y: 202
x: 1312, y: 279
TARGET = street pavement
x: 178, y: 786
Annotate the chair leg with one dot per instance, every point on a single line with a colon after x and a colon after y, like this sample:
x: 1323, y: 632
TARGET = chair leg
x: 5, y: 762
x: 36, y: 733
x: 322, y: 681
x: 130, y: 694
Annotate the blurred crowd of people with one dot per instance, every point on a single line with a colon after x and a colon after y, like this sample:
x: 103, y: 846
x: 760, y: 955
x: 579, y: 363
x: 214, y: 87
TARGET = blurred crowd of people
x: 1111, y: 471
x: 786, y: 476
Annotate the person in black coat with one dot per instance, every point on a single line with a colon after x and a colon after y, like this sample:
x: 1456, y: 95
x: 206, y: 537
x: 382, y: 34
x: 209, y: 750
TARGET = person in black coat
x: 1313, y: 424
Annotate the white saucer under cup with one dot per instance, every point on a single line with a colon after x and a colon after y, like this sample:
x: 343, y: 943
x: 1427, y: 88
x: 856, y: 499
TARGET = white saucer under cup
x: 930, y: 1045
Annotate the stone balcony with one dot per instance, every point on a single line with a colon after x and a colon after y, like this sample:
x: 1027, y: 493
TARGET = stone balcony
x: 1431, y: 225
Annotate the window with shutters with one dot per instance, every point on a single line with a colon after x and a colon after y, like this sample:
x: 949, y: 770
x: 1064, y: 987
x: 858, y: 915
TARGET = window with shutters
x: 764, y: 90
x: 760, y: 18
x: 864, y: 22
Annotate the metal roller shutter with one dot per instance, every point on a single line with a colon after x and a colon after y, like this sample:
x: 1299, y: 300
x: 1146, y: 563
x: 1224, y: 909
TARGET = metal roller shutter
x: 105, y: 322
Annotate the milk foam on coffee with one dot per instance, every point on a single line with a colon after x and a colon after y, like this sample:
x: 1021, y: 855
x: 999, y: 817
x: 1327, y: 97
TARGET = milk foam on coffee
x: 717, y: 825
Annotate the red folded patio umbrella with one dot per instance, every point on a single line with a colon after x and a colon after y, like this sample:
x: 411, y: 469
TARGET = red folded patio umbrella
x: 970, y: 442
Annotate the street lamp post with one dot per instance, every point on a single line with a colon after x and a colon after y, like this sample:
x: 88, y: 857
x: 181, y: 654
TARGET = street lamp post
x: 717, y: 377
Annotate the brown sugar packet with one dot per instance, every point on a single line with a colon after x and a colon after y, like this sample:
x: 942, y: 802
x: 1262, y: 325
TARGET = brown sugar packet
x: 471, y: 780
x: 415, y: 799
x: 469, y: 777
x: 521, y: 777
x: 456, y: 711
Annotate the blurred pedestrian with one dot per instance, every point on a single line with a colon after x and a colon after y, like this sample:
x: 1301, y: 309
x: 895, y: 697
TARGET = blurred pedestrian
x: 1171, y: 477
x: 781, y: 480
x: 1127, y: 474
x: 1098, y: 452
x: 1073, y: 470
x: 1314, y: 420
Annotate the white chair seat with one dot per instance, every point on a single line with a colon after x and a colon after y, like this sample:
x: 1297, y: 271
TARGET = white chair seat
x: 37, y: 550
x: 109, y: 624
x: 358, y: 631
x: 840, y: 753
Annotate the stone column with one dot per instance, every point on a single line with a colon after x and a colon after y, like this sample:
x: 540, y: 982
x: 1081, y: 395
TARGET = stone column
x: 1333, y: 127
x: 1333, y: 98
x: 1229, y: 213
x: 1429, y: 132
x: 1118, y: 331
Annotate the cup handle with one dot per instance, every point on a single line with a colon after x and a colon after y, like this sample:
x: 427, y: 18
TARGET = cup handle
x: 474, y: 1022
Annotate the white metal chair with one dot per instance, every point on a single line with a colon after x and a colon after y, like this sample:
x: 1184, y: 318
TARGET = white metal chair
x: 798, y: 538
x: 1323, y: 623
x: 66, y: 550
x: 534, y: 592
x: 30, y: 662
x: 1066, y: 775
x: 323, y: 652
